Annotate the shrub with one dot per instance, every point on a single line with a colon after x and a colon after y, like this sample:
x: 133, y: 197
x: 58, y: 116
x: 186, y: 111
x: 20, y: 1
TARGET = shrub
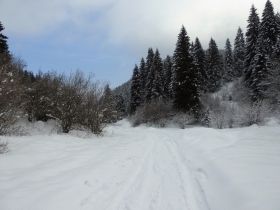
x: 155, y: 113
x: 4, y: 147
x: 183, y: 119
x: 253, y: 113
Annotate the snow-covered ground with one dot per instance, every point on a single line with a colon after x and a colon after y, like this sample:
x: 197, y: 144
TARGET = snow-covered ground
x: 143, y: 168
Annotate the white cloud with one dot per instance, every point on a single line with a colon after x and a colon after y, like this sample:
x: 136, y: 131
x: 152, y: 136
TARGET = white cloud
x: 131, y: 23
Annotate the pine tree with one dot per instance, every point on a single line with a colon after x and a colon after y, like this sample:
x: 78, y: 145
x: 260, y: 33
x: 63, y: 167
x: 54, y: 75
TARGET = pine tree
x: 261, y: 71
x: 167, y: 69
x: 108, y: 103
x: 149, y: 75
x: 143, y: 77
x: 228, y: 62
x: 276, y: 51
x: 214, y: 67
x: 200, y: 66
x: 3, y: 41
x: 158, y: 82
x: 251, y: 42
x: 135, y: 91
x: 120, y: 105
x: 268, y: 30
x: 149, y: 60
x: 184, y: 78
x: 239, y: 53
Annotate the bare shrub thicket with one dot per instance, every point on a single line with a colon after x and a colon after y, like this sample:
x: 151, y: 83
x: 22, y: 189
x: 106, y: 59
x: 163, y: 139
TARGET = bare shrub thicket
x: 250, y: 113
x: 10, y: 94
x: 99, y: 108
x: 157, y: 112
x: 74, y: 101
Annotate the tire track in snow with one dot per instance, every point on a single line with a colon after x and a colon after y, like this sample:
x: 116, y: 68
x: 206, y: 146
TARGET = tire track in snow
x: 194, y: 192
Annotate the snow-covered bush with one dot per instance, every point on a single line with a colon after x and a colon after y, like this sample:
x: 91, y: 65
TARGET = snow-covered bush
x: 183, y: 119
x: 4, y: 147
x: 155, y: 113
x: 217, y: 114
x: 239, y: 92
x: 253, y: 113
x: 10, y: 95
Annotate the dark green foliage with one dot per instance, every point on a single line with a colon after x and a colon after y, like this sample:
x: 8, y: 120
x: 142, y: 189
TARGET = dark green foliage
x: 135, y: 91
x: 251, y: 42
x: 214, y: 66
x: 200, y: 66
x: 261, y: 71
x: 184, y: 77
x: 239, y: 53
x: 143, y: 78
x: 158, y: 82
x: 3, y: 41
x: 167, y: 68
x: 120, y: 105
x: 268, y: 30
x: 228, y: 62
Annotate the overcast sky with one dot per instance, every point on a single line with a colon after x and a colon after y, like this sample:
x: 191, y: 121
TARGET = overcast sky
x: 108, y: 37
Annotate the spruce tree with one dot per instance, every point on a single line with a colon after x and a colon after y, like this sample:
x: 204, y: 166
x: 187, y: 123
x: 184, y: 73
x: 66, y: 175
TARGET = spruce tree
x: 109, y: 105
x: 3, y: 41
x: 158, y: 82
x: 149, y: 60
x: 276, y: 51
x: 135, y: 91
x: 239, y: 53
x: 214, y: 67
x: 261, y: 71
x: 228, y: 62
x: 143, y: 77
x: 167, y: 69
x: 268, y: 30
x: 149, y: 75
x: 184, y: 78
x: 149, y: 85
x: 250, y: 47
x: 200, y: 66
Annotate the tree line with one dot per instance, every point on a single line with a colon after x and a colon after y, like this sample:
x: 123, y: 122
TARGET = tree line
x: 184, y: 78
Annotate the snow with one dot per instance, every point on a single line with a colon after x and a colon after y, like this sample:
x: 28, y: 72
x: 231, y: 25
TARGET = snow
x: 142, y: 168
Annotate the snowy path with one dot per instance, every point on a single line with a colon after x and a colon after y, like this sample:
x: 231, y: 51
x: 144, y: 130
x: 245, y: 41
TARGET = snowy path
x: 144, y: 169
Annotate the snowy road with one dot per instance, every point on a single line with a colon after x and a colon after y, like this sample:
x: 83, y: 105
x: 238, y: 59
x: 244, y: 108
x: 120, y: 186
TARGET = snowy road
x: 144, y: 168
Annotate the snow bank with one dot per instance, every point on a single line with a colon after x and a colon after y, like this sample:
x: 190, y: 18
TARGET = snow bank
x: 143, y: 168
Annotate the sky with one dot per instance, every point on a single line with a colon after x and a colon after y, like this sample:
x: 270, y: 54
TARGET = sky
x: 108, y: 37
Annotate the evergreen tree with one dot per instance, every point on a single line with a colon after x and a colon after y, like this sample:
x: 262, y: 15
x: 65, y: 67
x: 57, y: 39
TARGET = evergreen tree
x: 228, y: 62
x: 251, y: 42
x: 261, y: 71
x: 108, y: 103
x: 200, y: 67
x: 149, y: 85
x: 149, y: 75
x: 214, y: 67
x: 239, y: 53
x: 120, y: 105
x: 149, y: 60
x: 268, y: 30
x: 158, y: 82
x: 167, y: 69
x: 3, y: 41
x: 135, y: 91
x: 143, y: 77
x: 184, y: 78
x: 276, y: 51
